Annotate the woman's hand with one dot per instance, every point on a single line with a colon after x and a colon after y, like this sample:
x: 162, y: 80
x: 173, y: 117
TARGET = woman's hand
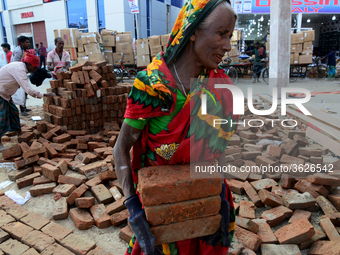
x: 49, y: 94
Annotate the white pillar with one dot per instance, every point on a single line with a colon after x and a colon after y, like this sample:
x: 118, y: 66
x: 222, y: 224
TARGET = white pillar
x: 92, y: 15
x: 299, y: 22
x: 280, y: 34
x: 10, y: 30
x: 114, y: 15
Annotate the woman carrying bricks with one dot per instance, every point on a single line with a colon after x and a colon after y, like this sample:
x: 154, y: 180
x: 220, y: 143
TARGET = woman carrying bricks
x: 14, y: 76
x: 164, y: 124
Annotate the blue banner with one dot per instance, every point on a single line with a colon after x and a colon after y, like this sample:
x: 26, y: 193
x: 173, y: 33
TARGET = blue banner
x: 302, y: 6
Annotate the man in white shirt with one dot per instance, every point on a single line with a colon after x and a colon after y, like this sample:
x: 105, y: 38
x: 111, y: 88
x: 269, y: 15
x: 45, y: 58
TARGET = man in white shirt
x: 14, y: 76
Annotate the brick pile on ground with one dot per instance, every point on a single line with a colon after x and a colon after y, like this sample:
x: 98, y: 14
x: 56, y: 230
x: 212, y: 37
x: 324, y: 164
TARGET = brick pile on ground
x: 87, y: 96
x: 274, y: 211
x: 28, y: 233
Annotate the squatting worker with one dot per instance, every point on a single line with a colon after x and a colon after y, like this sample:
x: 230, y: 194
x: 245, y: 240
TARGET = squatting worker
x: 159, y: 115
x: 58, y: 59
x: 14, y: 76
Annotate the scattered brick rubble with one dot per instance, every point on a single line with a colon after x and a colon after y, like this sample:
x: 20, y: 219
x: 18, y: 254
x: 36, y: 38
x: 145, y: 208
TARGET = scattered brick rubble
x: 52, y: 159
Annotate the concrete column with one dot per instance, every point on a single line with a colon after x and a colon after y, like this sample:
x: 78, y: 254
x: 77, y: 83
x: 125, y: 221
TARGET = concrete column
x: 10, y: 30
x: 114, y: 15
x: 280, y: 34
x: 299, y: 22
x: 92, y: 15
x: 1, y: 32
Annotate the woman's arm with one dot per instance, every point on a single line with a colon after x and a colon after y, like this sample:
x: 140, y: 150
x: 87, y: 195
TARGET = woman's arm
x: 121, y: 154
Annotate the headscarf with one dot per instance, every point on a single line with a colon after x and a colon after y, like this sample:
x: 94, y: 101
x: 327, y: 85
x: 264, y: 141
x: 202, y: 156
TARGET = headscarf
x: 31, y: 58
x: 193, y: 13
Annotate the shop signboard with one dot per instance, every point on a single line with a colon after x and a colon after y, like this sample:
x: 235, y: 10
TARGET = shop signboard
x: 301, y: 6
x: 134, y: 6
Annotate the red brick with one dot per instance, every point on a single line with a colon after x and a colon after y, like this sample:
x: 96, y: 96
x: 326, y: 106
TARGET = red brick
x: 326, y: 206
x: 3, y: 236
x: 64, y: 189
x: 316, y: 160
x: 78, y: 192
x: 77, y: 132
x: 72, y: 178
x: 101, y: 218
x: 13, y: 247
x: 286, y: 159
x: 298, y: 201
x: 274, y: 151
x: 31, y: 251
x: 41, y: 180
x: 270, y: 249
x: 82, y: 158
x: 56, y: 249
x: 287, y: 182
x: 84, y: 202
x: 98, y: 251
x: 81, y: 218
x: 108, y: 175
x: 324, y: 179
x: 26, y: 180
x: 295, y: 233
x: 302, y: 187
x: 25, y: 137
x: 56, y: 231
x: 247, y: 134
x: 335, y: 200
x: 5, y: 218
x: 120, y: 218
x: 50, y: 172
x: 247, y: 224
x: 236, y: 186
x: 291, y: 133
x: 17, y: 174
x: 247, y: 209
x: 270, y: 199
x: 263, y: 184
x: 60, y: 209
x: 182, y: 211
x: 265, y: 232
x: 329, y: 229
x: 35, y: 220
x: 50, y: 150
x: 299, y: 215
x: 38, y: 240
x: 252, y: 194
x: 126, y: 234
x: 247, y: 238
x: 93, y: 182
x: 63, y: 166
x: 102, y: 194
x: 319, y: 234
x: 11, y: 152
x: 24, y: 147
x: 276, y: 215
x: 154, y: 182
x: 17, y: 230
x: 82, y: 146
x: 250, y: 154
x: 25, y: 162
x: 33, y: 152
x: 94, y: 168
x: 116, y: 206
x: 42, y: 189
x: 112, y: 141
x: 77, y: 244
x: 43, y: 161
x: 310, y: 151
x: 115, y: 193
x: 323, y: 247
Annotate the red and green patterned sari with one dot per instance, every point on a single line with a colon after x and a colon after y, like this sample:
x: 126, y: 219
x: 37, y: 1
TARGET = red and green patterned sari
x: 173, y: 129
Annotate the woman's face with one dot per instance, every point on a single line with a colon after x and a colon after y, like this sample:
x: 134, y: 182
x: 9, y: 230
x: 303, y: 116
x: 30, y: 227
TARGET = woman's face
x: 211, y: 43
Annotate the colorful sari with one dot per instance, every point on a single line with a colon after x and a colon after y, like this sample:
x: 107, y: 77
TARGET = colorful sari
x: 185, y: 135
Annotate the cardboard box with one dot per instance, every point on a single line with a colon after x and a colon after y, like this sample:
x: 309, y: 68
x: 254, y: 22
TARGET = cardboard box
x: 73, y: 53
x: 117, y: 56
x: 141, y: 41
x: 124, y: 47
x: 80, y: 46
x: 308, y: 46
x: 234, y: 60
x: 165, y: 39
x: 109, y: 57
x: 83, y: 59
x: 124, y: 33
x: 297, y: 38
x: 309, y: 36
x: 307, y: 53
x: 291, y: 59
x: 108, y: 49
x: 96, y: 57
x: 305, y: 59
x: 81, y: 54
x: 296, y: 48
x: 296, y: 58
x: 268, y: 38
x: 142, y: 49
x: 109, y: 40
x: 123, y: 38
x: 233, y: 52
x: 69, y: 35
x: 88, y: 38
x: 129, y: 58
x: 106, y: 32
x: 93, y: 48
x: 154, y: 50
x: 267, y: 48
x: 143, y: 60
x: 154, y: 40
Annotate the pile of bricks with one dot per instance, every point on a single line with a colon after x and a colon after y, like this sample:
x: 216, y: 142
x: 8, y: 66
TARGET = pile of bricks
x: 29, y: 233
x: 177, y: 206
x: 87, y: 96
x: 68, y: 164
x: 285, y: 226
